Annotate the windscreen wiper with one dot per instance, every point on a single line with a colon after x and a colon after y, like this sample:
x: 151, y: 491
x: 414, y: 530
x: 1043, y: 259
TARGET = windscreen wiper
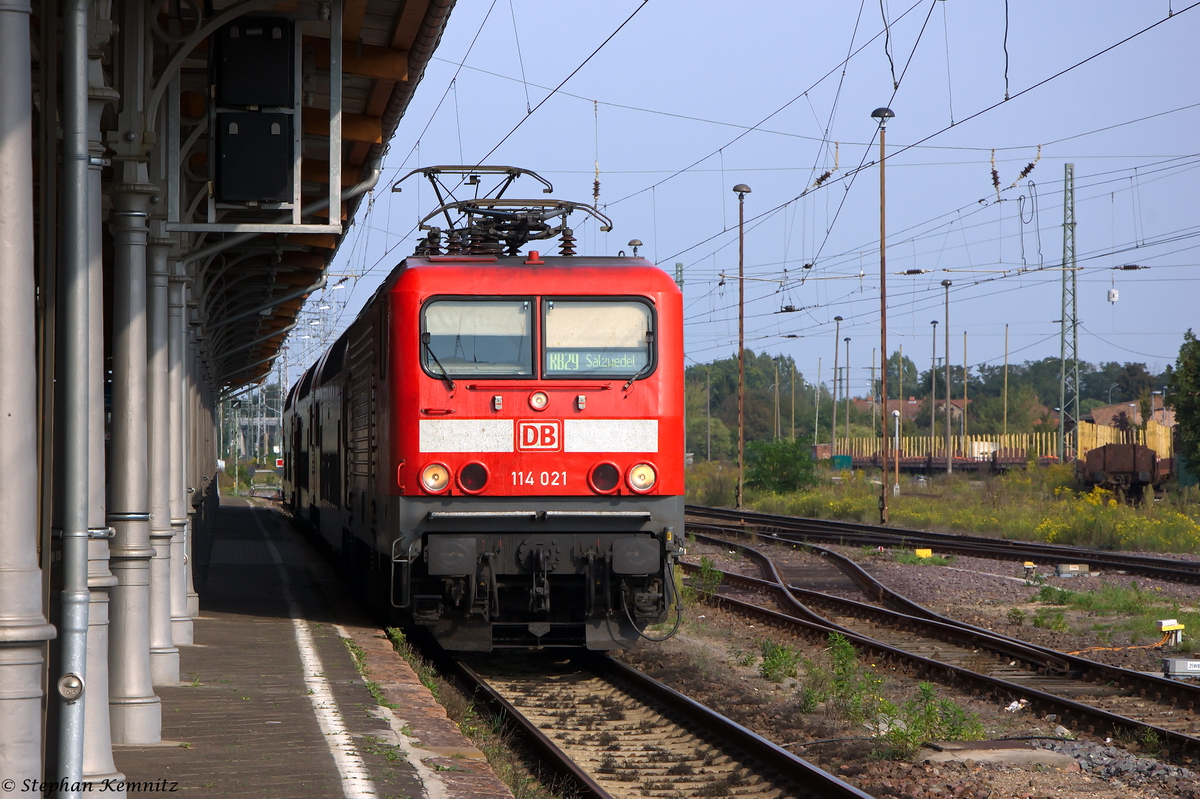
x: 643, y: 371
x: 429, y: 349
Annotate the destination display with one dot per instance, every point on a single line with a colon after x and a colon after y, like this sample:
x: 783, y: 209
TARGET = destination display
x: 602, y: 361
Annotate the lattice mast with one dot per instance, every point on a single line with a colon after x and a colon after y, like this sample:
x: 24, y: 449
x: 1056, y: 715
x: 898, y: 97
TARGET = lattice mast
x: 1068, y: 382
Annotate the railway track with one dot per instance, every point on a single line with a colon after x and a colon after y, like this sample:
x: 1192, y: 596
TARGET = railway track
x: 794, y: 528
x: 1095, y: 697
x: 617, y: 732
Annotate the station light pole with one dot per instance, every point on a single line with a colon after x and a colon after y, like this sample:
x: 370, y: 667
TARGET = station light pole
x: 837, y: 332
x: 847, y: 340
x: 933, y: 393
x: 946, y: 284
x: 882, y: 115
x: 742, y: 190
x: 896, y: 486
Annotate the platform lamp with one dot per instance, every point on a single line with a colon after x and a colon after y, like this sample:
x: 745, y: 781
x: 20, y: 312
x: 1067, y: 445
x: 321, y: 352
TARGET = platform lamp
x: 741, y: 190
x: 882, y: 115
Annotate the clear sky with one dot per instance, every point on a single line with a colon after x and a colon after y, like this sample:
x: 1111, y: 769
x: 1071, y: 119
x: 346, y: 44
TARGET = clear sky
x: 688, y: 99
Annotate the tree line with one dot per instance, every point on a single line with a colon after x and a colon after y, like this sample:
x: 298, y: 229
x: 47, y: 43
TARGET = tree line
x: 781, y: 400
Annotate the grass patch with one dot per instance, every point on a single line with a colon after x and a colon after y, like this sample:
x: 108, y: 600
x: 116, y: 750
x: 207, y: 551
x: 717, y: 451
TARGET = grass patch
x: 926, y: 717
x: 909, y: 559
x: 708, y: 579
x: 779, y: 661
x: 852, y: 690
x: 1038, y: 504
x: 703, y: 584
x: 360, y: 663
x: 1050, y: 595
x: 1128, y: 609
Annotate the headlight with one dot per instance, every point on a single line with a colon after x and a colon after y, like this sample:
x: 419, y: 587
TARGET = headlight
x: 604, y: 478
x: 642, y: 477
x: 538, y: 400
x: 435, y: 478
x: 473, y: 477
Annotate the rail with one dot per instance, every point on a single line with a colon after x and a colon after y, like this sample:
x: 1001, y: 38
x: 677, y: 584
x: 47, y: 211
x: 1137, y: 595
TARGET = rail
x: 799, y: 528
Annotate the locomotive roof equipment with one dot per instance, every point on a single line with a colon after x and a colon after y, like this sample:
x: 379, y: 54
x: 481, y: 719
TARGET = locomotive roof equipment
x: 478, y: 225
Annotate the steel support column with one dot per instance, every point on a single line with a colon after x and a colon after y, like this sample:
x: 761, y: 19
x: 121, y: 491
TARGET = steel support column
x: 136, y: 711
x: 98, y: 763
x: 181, y: 619
x: 191, y: 475
x: 164, y: 655
x: 71, y: 395
x: 23, y: 627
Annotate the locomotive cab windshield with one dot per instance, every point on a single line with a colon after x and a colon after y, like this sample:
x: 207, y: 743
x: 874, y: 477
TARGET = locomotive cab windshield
x: 478, y: 337
x: 598, y: 338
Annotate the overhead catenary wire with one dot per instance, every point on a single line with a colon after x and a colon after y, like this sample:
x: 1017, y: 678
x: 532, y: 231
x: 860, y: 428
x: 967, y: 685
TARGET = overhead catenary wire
x: 792, y: 135
x: 515, y: 127
x: 1179, y: 162
x: 1009, y: 198
x: 949, y: 84
x: 564, y: 81
x: 520, y: 58
x: 853, y: 172
x: 769, y: 116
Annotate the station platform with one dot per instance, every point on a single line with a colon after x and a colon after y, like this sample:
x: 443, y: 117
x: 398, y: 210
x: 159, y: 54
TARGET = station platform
x: 271, y: 702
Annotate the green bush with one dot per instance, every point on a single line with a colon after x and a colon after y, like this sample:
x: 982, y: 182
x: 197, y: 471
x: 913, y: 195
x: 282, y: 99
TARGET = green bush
x: 711, y: 483
x: 780, y: 466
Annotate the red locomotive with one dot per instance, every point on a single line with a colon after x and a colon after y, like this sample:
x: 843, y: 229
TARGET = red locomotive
x: 495, y: 446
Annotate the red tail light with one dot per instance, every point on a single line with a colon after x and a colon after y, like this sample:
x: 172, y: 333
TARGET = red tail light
x: 604, y: 478
x: 473, y: 478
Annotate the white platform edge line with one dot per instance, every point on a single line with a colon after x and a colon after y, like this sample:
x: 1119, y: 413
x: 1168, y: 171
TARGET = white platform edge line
x: 356, y: 778
x: 430, y: 781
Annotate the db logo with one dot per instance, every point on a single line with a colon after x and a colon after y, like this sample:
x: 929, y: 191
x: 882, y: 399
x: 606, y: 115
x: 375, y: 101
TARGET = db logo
x: 539, y: 435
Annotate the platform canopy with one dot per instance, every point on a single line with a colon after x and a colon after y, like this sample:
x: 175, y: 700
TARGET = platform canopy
x: 253, y: 241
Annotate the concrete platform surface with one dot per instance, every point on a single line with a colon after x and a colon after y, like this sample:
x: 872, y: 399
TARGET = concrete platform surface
x: 271, y: 703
